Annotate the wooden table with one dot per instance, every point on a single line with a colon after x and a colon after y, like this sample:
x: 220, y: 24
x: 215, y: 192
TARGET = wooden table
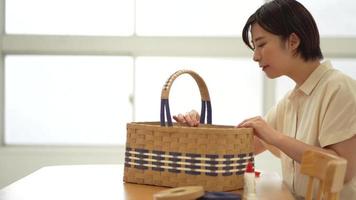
x: 94, y: 182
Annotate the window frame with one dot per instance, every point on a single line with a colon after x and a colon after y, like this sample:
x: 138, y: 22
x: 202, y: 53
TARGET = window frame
x: 344, y: 47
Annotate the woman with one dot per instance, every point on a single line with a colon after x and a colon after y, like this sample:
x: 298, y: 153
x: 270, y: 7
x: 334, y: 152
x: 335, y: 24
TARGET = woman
x: 319, y: 113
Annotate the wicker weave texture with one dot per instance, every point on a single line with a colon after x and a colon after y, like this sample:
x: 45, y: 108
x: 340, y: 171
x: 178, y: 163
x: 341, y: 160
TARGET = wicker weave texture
x: 211, y: 184
x: 209, y: 155
x: 206, y: 139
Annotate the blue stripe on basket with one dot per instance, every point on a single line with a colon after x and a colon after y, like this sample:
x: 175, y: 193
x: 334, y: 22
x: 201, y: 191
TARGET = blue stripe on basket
x: 127, y: 155
x: 212, y: 156
x: 229, y: 156
x: 242, y: 155
x: 193, y: 167
x: 157, y: 157
x: 193, y: 155
x: 158, y: 164
x: 193, y: 172
x: 158, y: 160
x: 228, y: 162
x: 192, y: 161
x: 141, y: 162
x: 211, y: 174
x: 158, y: 152
x: 174, y: 170
x: 174, y: 159
x: 174, y: 165
x: 141, y: 167
x: 189, y: 163
x: 142, y: 150
x: 227, y: 174
x: 212, y: 168
x: 158, y: 169
x: 175, y: 153
x: 141, y: 156
x: 240, y: 173
x: 212, y: 162
x: 227, y: 168
x: 242, y: 161
x: 240, y: 166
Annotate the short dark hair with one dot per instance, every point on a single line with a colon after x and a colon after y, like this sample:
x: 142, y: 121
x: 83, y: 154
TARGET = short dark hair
x: 284, y: 17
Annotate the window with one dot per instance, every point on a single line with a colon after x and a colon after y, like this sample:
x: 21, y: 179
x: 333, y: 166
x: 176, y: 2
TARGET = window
x: 198, y: 17
x: 331, y: 21
x: 57, y: 102
x: 77, y: 100
x: 70, y: 17
x: 136, y: 44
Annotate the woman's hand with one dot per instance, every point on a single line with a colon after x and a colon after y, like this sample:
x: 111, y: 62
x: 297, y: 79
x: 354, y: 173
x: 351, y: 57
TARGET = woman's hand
x: 261, y: 129
x: 191, y: 118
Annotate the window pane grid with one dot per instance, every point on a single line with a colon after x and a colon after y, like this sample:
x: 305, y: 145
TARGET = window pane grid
x: 70, y: 17
x: 74, y: 100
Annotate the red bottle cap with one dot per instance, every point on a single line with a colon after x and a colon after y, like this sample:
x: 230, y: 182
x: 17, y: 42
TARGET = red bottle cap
x: 249, y: 168
x: 257, y: 174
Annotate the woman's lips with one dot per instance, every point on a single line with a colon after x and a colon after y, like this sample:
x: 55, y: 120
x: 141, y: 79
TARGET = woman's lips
x: 264, y: 67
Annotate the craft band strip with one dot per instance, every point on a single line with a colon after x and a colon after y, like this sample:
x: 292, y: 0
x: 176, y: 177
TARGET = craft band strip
x: 189, y: 169
x: 240, y: 156
x: 189, y: 163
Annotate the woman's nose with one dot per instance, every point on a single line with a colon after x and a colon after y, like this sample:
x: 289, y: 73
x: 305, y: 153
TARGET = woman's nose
x: 256, y: 56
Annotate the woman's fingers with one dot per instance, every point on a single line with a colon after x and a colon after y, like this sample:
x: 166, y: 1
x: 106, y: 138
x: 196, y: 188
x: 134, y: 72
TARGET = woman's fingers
x: 260, y: 128
x: 241, y: 123
x: 194, y: 116
x: 188, y: 118
x: 191, y: 118
x: 179, y: 118
x: 246, y: 122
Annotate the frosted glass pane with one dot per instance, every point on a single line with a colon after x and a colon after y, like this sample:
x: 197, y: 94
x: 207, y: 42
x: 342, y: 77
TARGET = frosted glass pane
x: 283, y: 85
x: 334, y: 17
x: 227, y: 80
x: 73, y: 17
x: 67, y: 99
x: 347, y: 66
x: 198, y: 17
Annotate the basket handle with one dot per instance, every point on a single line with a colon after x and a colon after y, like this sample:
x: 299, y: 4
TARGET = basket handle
x: 204, y: 93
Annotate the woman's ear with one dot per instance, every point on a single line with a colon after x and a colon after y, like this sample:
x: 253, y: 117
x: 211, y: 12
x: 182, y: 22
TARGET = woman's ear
x: 293, y: 42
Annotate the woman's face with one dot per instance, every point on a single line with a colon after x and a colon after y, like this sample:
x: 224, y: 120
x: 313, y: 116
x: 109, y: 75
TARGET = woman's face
x: 270, y: 52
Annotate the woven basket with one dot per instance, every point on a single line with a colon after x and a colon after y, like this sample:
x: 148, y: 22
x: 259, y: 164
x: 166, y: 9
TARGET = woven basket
x: 168, y: 154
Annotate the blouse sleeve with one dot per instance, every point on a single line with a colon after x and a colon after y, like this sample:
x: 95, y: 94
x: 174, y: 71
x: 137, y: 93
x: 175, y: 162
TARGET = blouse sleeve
x: 339, y: 120
x: 271, y: 116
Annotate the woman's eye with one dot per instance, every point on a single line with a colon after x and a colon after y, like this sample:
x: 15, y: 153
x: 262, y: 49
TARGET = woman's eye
x: 261, y: 45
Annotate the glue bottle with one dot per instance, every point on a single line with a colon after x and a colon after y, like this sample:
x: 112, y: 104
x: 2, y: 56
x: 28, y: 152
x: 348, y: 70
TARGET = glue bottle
x: 249, y: 183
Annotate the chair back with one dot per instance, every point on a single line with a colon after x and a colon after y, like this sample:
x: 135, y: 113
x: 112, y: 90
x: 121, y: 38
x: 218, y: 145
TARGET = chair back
x: 328, y: 169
